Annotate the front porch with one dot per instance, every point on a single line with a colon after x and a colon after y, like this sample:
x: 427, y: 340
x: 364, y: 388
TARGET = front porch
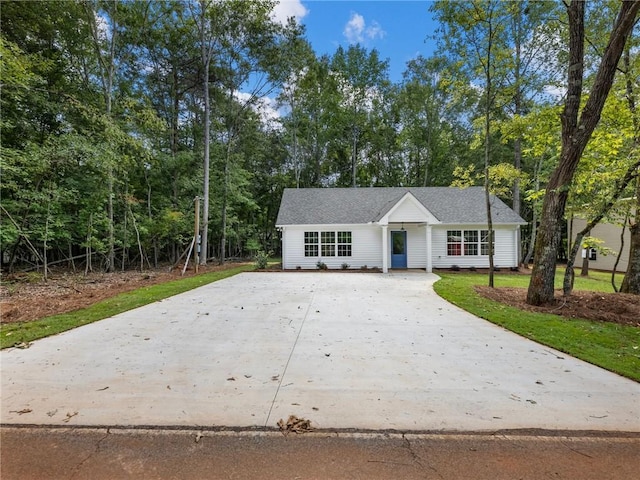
x: 406, y: 246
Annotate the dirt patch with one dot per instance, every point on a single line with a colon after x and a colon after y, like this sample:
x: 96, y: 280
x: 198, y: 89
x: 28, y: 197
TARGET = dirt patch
x: 25, y: 297
x: 619, y: 308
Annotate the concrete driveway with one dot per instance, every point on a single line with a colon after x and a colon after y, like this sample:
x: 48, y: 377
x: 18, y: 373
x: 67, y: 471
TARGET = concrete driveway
x: 345, y: 350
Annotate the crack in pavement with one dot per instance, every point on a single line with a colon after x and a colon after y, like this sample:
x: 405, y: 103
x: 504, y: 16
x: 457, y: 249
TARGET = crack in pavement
x: 76, y: 470
x: 418, y: 460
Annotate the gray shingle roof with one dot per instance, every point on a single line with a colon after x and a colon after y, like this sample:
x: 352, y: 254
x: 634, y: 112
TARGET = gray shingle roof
x: 326, y: 206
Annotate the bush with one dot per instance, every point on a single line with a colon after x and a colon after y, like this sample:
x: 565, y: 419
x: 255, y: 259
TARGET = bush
x: 321, y: 265
x: 261, y: 258
x: 345, y: 266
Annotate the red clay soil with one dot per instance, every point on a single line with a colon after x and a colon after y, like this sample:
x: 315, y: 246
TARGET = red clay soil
x: 25, y: 297
x: 622, y: 308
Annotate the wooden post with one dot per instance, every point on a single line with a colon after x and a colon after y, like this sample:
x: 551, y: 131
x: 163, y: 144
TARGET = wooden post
x: 196, y: 248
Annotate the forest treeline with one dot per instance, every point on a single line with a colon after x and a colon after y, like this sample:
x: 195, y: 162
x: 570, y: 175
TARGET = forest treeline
x: 117, y: 115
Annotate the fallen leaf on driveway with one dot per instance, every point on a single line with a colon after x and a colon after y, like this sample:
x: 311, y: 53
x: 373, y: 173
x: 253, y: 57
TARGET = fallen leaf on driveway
x: 70, y: 416
x: 21, y: 412
x: 294, y: 424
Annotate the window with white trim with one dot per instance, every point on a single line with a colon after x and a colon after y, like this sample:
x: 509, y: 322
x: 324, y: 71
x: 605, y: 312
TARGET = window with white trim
x: 469, y: 243
x: 327, y: 244
x: 484, y: 242
x: 310, y: 244
x: 344, y: 244
x: 454, y: 242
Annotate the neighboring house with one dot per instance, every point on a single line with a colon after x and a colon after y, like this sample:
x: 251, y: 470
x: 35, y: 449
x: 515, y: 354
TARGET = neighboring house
x: 610, y: 236
x: 430, y: 227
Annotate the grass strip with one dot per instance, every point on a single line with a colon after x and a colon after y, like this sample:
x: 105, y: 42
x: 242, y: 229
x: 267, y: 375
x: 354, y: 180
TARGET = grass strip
x: 607, y: 345
x: 25, y: 332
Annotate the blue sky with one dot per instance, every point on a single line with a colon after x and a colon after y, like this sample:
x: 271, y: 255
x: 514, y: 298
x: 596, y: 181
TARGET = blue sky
x: 398, y: 29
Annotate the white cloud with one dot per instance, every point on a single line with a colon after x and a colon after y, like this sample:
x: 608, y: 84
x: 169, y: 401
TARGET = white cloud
x: 285, y: 9
x: 265, y: 107
x: 375, y: 31
x: 356, y: 29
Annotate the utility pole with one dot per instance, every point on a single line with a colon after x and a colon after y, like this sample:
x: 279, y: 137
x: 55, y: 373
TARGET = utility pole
x: 196, y: 237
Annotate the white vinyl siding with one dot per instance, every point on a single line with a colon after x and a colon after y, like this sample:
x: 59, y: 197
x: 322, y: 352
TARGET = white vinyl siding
x: 366, y: 247
x: 416, y: 247
x: 504, y: 248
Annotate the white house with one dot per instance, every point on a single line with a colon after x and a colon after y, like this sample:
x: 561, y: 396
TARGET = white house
x: 430, y: 227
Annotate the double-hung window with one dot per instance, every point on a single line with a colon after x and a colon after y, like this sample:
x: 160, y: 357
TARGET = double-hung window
x: 471, y: 242
x: 310, y: 244
x: 328, y: 244
x: 344, y: 244
x: 454, y: 242
x: 484, y: 242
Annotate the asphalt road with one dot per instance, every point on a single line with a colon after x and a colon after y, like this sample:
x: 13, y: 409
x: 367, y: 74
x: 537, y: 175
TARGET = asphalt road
x: 96, y: 454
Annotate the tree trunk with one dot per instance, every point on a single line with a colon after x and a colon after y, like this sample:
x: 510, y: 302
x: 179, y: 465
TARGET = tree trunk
x: 225, y: 188
x: 88, y: 264
x: 584, y: 271
x: 517, y: 101
x: 534, y: 220
x: 205, y: 52
x: 486, y: 190
x: 426, y: 167
x: 631, y: 174
x: 576, y: 132
x: 355, y: 156
x: 617, y: 262
x: 107, y: 74
x: 487, y: 146
x: 631, y: 282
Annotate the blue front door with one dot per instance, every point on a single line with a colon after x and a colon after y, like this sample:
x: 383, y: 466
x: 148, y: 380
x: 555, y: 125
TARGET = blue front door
x: 399, y: 249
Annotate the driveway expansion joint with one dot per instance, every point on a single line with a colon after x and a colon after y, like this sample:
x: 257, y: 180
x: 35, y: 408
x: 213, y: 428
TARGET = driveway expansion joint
x: 295, y: 343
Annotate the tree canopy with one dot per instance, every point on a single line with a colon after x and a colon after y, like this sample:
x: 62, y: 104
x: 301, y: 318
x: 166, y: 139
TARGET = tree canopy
x: 118, y: 115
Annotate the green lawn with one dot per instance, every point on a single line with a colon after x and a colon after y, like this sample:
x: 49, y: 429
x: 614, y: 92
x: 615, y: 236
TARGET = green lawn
x: 15, y: 333
x: 608, y: 345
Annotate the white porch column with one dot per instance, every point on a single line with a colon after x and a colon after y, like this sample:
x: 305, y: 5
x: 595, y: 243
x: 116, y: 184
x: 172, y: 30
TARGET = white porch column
x: 284, y: 248
x: 429, y: 259
x: 385, y: 250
